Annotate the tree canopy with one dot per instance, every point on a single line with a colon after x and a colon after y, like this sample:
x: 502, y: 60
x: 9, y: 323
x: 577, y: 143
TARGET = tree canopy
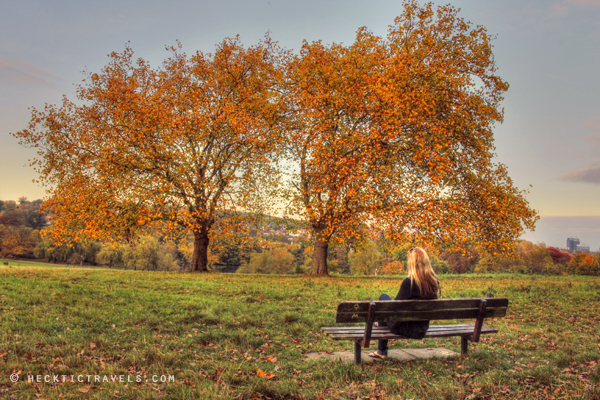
x: 395, y: 135
x: 171, y: 147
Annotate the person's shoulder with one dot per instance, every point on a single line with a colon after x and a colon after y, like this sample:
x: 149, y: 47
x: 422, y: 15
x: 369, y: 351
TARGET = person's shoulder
x: 406, y: 281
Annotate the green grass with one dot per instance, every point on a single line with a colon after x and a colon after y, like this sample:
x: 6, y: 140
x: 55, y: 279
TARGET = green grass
x: 216, y: 334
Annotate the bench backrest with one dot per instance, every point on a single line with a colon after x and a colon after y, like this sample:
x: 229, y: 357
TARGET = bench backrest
x: 420, y: 310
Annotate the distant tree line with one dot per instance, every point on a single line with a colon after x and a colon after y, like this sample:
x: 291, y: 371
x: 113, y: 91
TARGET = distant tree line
x: 374, y: 257
x: 267, y: 249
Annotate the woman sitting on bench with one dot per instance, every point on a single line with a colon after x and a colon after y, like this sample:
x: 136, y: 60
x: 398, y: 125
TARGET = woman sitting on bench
x: 422, y: 283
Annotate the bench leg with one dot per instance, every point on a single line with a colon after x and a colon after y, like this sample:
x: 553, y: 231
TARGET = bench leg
x: 357, y: 351
x: 464, y: 345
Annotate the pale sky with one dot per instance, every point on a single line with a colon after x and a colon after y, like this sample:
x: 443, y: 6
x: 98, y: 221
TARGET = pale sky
x: 548, y: 51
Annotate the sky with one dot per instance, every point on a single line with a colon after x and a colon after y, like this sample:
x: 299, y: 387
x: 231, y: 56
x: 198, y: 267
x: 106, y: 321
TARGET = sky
x: 547, y: 50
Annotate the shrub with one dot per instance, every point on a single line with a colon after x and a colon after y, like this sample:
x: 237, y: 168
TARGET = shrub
x: 439, y: 266
x: 462, y: 261
x: 366, y: 260
x: 76, y: 258
x: 559, y: 257
x: 276, y: 261
x: 393, y: 268
x: 583, y: 264
x: 535, y: 258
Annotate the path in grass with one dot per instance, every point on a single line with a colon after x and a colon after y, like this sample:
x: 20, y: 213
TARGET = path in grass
x: 227, y: 336
x: 39, y: 263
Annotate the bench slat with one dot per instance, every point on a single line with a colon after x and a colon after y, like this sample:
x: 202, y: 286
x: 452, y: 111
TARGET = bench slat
x: 415, y: 305
x: 420, y: 310
x: 420, y: 315
x: 356, y: 333
x: 397, y: 337
x: 432, y: 328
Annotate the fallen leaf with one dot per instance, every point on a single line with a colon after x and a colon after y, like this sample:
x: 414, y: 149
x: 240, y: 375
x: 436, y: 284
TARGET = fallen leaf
x: 84, y: 390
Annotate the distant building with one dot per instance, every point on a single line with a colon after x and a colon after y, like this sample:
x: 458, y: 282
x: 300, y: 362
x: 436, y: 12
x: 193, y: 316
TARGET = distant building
x: 572, y: 243
x: 583, y: 247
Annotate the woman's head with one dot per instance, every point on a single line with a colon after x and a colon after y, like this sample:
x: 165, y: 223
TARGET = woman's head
x: 419, y: 269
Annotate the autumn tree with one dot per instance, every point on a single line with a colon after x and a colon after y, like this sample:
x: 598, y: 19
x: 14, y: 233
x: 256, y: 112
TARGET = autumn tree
x: 112, y: 255
x: 11, y: 214
x: 330, y: 141
x: 341, y: 256
x: 365, y: 260
x: 16, y: 241
x: 279, y: 260
x: 462, y: 260
x: 441, y: 103
x: 150, y: 254
x: 535, y: 257
x: 584, y: 264
x: 438, y: 266
x: 393, y: 268
x: 168, y: 148
x: 232, y: 249
x: 55, y: 252
x: 558, y: 256
x: 395, y: 134
x: 489, y: 263
x: 77, y: 258
x: 26, y: 213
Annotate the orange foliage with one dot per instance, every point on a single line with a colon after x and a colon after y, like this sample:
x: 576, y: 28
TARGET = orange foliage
x: 393, y: 268
x: 584, y: 264
x: 330, y: 137
x: 169, y: 147
x: 18, y: 240
x: 396, y: 134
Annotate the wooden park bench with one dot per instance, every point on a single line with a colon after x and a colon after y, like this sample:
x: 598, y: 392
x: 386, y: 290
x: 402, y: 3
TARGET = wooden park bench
x: 369, y: 312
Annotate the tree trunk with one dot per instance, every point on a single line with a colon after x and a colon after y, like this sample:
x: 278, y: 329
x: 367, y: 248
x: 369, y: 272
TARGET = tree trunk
x: 200, y: 257
x: 319, y: 259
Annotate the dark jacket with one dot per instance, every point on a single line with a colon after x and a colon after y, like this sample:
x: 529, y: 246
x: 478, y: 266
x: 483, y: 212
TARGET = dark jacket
x: 413, y: 330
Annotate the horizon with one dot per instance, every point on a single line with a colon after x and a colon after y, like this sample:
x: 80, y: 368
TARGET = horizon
x: 557, y: 229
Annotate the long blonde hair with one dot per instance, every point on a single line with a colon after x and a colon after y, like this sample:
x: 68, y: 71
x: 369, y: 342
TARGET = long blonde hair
x: 419, y: 269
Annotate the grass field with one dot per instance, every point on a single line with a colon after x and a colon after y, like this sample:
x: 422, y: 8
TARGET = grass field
x: 240, y: 336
